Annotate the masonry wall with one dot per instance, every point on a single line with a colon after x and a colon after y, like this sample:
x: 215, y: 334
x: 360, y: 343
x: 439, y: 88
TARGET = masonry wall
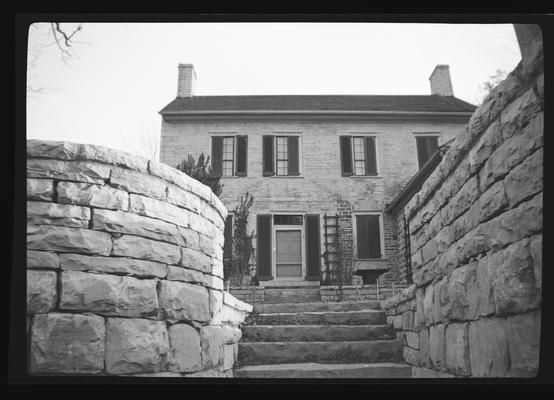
x: 124, y: 267
x: 476, y: 235
x: 320, y: 188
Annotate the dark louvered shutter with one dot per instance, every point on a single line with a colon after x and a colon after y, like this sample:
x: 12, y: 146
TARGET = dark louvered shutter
x: 426, y: 146
x: 313, y: 248
x: 217, y: 154
x: 268, y: 155
x: 346, y: 155
x: 264, y: 247
x: 370, y: 156
x: 433, y: 143
x: 293, y: 160
x: 242, y: 155
x: 374, y: 236
x: 228, y: 244
x: 368, y: 236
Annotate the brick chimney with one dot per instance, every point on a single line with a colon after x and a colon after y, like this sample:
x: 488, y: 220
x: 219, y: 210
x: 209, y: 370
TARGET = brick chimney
x: 186, y: 80
x: 441, y: 85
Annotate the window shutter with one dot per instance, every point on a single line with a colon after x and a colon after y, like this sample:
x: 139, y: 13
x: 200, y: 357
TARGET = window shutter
x: 293, y: 160
x: 228, y: 244
x: 313, y: 262
x: 433, y: 142
x: 264, y: 247
x: 422, y: 150
x: 374, y: 236
x: 370, y: 156
x: 346, y: 155
x: 242, y: 155
x: 217, y: 154
x: 362, y: 236
x: 268, y: 155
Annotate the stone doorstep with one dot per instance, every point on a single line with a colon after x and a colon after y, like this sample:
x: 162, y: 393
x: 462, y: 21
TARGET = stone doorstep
x: 315, y: 370
x: 316, y: 306
x: 365, y: 317
x: 316, y: 333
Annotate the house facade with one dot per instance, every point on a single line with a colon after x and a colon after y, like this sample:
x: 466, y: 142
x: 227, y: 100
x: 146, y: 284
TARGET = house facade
x: 322, y: 171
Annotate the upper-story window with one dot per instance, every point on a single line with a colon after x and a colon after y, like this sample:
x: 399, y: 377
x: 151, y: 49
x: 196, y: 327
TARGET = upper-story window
x: 281, y: 155
x: 426, y: 145
x: 229, y: 155
x: 358, y: 155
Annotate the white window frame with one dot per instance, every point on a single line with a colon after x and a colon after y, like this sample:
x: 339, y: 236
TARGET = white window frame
x: 377, y: 152
x: 225, y: 134
x: 355, y: 234
x: 300, y: 154
x: 424, y: 134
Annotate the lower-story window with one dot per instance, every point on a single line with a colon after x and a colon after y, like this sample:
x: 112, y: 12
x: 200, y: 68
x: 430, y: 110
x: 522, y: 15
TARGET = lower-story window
x: 369, y: 240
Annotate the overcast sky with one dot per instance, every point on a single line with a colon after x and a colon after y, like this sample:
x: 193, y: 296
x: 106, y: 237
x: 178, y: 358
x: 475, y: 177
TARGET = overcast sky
x: 110, y: 94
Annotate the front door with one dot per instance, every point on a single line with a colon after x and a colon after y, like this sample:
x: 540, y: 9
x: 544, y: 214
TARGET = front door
x: 288, y: 253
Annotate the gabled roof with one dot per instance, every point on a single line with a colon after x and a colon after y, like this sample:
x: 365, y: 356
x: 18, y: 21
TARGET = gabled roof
x: 321, y: 103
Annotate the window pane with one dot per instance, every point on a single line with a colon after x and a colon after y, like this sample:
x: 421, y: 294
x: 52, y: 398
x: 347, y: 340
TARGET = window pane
x: 287, y: 220
x: 282, y: 167
x: 360, y: 167
x: 359, y: 156
x: 227, y: 168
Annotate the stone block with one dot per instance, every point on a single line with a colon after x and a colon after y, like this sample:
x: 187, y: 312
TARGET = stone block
x: 441, y: 301
x: 428, y: 304
x: 492, y: 201
x: 112, y: 265
x: 145, y: 249
x: 64, y: 239
x: 485, y: 145
x: 424, y: 355
x: 412, y: 339
x: 457, y: 348
x: 132, y: 224
x: 408, y: 321
x: 190, y: 238
x: 525, y: 179
x: 67, y: 343
x: 419, y: 317
x: 137, y: 182
x: 411, y: 356
x: 520, y: 113
x: 463, y: 290
x: 159, y: 209
x: 89, y: 194
x: 44, y: 213
x: 429, y: 251
x: 194, y: 259
x: 437, y: 345
x: 42, y: 259
x: 40, y: 189
x: 216, y: 304
x: 135, y: 345
x: 41, y: 291
x: 185, y: 355
x: 183, y: 198
x: 488, y: 348
x: 535, y: 246
x: 184, y: 301
x: 212, y: 339
x: 108, y: 294
x: 418, y: 372
x: 228, y: 356
x: 524, y: 336
x: 80, y: 171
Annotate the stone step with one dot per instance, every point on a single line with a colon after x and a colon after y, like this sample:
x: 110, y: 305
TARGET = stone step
x: 317, y: 306
x: 366, y: 317
x: 259, y: 353
x: 291, y: 299
x: 316, y: 333
x: 314, y: 370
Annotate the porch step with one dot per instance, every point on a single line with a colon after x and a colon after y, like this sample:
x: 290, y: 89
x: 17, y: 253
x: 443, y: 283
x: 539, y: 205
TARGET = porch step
x: 364, y: 317
x: 315, y: 370
x: 260, y: 353
x: 316, y: 333
x: 292, y: 295
x: 317, y: 306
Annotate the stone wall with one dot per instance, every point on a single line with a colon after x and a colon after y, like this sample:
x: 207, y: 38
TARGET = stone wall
x: 476, y: 240
x: 124, y: 270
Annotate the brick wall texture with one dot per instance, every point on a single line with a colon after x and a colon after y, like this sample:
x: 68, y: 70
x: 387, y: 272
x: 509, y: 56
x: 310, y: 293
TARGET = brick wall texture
x: 124, y: 267
x: 476, y: 241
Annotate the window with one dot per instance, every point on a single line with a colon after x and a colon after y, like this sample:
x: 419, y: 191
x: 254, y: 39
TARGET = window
x: 229, y: 155
x: 426, y: 146
x: 358, y: 155
x: 368, y: 236
x: 281, y: 155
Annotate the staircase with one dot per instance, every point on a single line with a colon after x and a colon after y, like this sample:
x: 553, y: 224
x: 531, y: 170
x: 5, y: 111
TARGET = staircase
x: 320, y: 340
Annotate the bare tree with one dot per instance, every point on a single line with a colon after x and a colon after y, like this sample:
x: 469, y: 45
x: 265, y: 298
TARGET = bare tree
x: 147, y: 143
x: 498, y: 76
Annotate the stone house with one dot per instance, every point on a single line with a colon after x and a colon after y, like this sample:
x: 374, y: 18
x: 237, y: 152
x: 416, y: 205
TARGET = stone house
x: 322, y: 170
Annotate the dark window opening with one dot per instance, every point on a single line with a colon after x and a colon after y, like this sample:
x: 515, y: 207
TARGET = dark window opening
x: 426, y: 146
x: 368, y: 234
x: 287, y: 219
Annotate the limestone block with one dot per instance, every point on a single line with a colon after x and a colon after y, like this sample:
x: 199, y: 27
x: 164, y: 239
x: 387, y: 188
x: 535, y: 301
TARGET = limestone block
x: 89, y: 194
x: 485, y: 145
x: 488, y: 347
x: 108, y: 294
x: 216, y: 304
x: 64, y: 239
x: 523, y: 333
x: 412, y: 339
x: 526, y: 179
x: 441, y: 301
x: 457, y: 348
x: 212, y: 338
x: 429, y: 251
x: 135, y: 345
x: 202, y: 225
x: 520, y: 113
x: 463, y: 290
x: 190, y: 238
x: 513, y: 279
x: 208, y: 247
x: 437, y: 346
x: 184, y: 301
x: 419, y: 317
x: 424, y: 355
x: 184, y: 354
x: 67, y: 343
x: 172, y: 175
x: 408, y: 321
x: 194, y: 259
x: 137, y: 182
x: 428, y: 304
x: 185, y: 275
x: 43, y: 213
x: 138, y: 247
x: 463, y: 199
x: 80, y: 171
x: 40, y: 189
x: 159, y: 209
x: 481, y: 301
x: 492, y: 201
x: 418, y: 372
x: 42, y: 259
x: 411, y: 356
x: 112, y: 265
x: 183, y: 198
x: 124, y: 222
x: 535, y: 246
x: 228, y: 356
x: 41, y: 291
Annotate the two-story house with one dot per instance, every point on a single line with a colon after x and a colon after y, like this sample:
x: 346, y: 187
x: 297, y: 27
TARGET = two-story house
x: 322, y: 169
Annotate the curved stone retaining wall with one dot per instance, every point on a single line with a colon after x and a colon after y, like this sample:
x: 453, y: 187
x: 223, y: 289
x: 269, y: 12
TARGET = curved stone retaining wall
x: 124, y: 267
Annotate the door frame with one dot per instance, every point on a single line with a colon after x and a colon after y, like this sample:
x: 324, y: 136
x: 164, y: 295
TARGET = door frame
x: 276, y: 228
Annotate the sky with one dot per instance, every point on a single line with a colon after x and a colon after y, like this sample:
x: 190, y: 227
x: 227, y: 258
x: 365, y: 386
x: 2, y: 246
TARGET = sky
x: 122, y: 74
